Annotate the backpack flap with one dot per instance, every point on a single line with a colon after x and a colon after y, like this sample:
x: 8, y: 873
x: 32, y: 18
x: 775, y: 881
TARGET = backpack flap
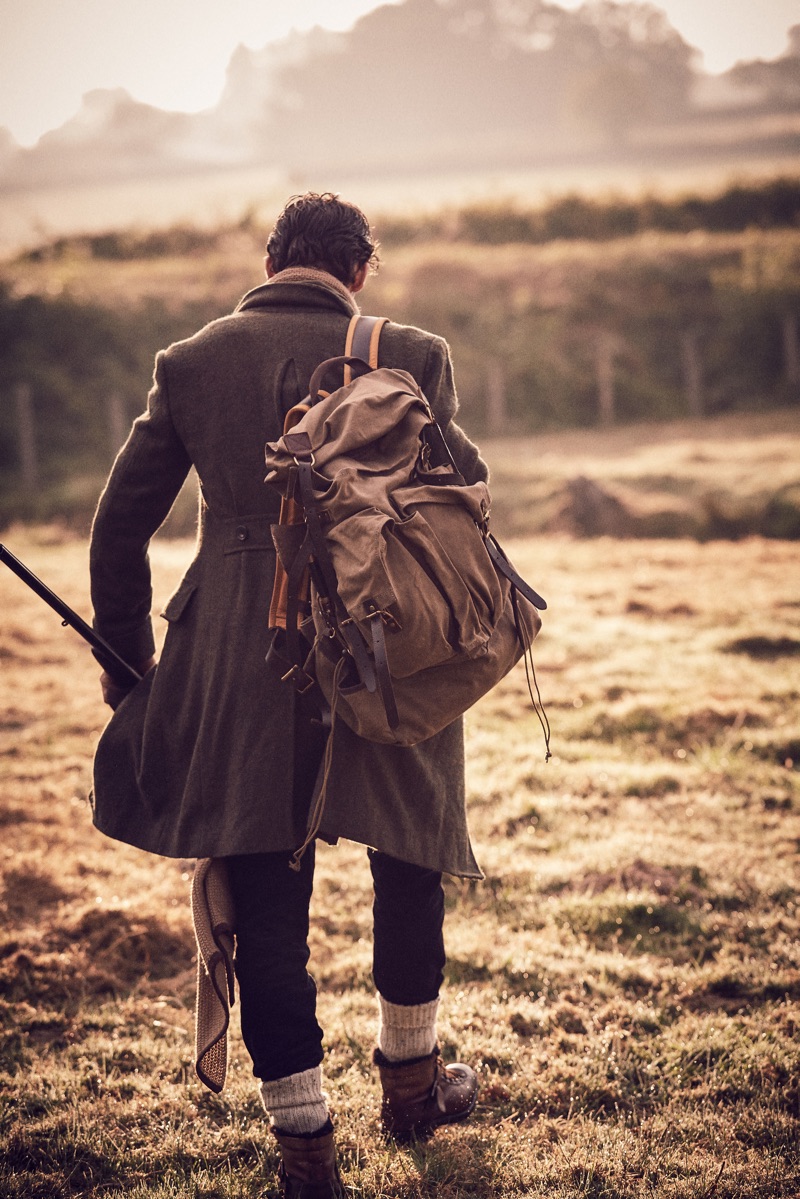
x: 417, y: 610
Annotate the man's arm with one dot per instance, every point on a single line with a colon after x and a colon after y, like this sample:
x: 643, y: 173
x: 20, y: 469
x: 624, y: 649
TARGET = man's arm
x: 144, y: 481
x: 439, y: 388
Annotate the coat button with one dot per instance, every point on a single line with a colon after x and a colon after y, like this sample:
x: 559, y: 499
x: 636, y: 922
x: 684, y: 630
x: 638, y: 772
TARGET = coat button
x: 241, y: 533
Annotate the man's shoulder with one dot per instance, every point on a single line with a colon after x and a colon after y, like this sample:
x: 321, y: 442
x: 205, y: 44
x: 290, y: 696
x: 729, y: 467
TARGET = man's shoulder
x: 221, y: 329
x: 408, y: 341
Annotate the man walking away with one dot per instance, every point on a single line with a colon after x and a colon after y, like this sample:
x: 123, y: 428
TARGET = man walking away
x: 211, y: 756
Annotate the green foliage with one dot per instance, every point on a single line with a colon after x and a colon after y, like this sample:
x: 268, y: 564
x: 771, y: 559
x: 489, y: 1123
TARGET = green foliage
x: 771, y: 205
x: 74, y: 356
x: 127, y: 245
x: 670, y: 325
x: 544, y: 320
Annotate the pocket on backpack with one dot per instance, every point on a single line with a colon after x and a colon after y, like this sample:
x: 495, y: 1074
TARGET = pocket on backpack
x: 376, y: 567
x: 461, y: 546
x: 471, y: 589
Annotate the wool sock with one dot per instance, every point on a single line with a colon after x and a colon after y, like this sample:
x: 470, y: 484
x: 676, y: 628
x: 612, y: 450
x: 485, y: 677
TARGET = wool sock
x: 406, y: 1031
x: 296, y: 1104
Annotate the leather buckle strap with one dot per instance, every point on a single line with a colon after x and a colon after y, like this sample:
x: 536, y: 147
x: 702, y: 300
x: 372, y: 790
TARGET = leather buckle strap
x: 382, y: 665
x: 295, y: 595
x: 504, y: 566
x: 350, y: 631
x: 303, y: 682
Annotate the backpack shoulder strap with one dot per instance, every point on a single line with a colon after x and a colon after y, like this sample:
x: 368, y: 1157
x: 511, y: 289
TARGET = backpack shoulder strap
x: 363, y: 337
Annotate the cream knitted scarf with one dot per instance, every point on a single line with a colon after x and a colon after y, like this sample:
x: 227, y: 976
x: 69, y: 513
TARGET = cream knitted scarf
x: 308, y: 274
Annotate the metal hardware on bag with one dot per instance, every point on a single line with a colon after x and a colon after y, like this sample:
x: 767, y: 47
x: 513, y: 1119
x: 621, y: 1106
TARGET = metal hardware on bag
x: 389, y: 620
x: 293, y: 674
x: 309, y: 461
x: 324, y: 608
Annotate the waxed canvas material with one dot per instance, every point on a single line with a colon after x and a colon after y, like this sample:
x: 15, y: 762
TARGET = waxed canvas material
x: 409, y: 545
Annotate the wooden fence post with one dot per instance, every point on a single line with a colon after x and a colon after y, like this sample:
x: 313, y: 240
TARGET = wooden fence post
x: 604, y: 367
x: 26, y: 437
x: 791, y: 349
x: 496, y: 405
x: 692, y: 373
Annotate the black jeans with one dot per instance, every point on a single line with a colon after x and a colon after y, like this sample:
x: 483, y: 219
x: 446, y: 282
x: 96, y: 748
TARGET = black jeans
x: 278, y: 995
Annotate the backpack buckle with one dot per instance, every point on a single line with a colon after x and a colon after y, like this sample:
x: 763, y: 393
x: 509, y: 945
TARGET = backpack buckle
x: 389, y: 619
x: 302, y: 680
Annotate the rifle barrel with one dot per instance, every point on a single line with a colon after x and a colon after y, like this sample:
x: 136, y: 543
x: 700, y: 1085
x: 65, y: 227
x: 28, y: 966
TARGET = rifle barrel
x: 120, y: 670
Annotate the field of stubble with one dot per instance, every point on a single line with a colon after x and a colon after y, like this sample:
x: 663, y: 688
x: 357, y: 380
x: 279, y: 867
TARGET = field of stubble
x: 626, y: 979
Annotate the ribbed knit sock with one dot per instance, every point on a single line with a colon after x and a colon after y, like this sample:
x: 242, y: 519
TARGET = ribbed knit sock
x: 405, y: 1032
x: 296, y: 1104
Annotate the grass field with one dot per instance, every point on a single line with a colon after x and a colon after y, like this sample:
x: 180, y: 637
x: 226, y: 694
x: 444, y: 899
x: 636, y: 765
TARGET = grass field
x: 626, y: 978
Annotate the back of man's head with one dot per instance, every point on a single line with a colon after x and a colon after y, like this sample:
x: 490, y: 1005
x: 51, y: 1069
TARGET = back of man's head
x: 320, y: 230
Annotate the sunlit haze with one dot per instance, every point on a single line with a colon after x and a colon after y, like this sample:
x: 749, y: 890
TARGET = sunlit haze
x: 173, y: 53
x: 170, y: 53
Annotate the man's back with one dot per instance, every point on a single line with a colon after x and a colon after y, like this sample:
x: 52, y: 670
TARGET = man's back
x: 176, y: 770
x: 211, y: 756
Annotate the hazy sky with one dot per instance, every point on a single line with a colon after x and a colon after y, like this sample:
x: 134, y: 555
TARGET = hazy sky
x: 173, y: 53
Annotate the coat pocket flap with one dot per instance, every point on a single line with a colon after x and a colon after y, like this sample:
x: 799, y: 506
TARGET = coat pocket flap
x: 176, y: 605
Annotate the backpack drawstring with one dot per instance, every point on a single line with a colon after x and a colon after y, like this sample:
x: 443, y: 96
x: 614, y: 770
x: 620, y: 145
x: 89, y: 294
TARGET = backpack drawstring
x: 530, y: 676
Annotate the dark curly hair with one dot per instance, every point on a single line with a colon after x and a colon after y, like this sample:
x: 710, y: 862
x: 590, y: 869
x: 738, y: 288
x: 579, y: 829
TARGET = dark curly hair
x: 322, y: 231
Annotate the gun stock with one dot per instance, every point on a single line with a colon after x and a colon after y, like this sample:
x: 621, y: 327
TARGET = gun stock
x: 120, y: 670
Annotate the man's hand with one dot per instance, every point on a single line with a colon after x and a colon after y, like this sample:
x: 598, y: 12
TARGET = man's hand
x: 113, y: 693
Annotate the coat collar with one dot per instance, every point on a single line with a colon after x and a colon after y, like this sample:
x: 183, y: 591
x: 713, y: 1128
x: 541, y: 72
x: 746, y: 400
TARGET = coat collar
x: 301, y: 287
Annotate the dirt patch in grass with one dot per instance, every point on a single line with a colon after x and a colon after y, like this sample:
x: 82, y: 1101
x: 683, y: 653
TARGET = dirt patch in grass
x: 99, y: 953
x: 764, y: 648
x: 640, y: 876
x: 27, y: 891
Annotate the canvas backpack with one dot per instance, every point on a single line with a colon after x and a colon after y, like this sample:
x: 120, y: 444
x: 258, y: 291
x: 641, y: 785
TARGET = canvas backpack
x: 392, y: 595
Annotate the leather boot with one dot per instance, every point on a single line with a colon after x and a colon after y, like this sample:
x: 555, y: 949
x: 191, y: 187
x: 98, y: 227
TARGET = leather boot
x: 423, y: 1093
x: 308, y: 1166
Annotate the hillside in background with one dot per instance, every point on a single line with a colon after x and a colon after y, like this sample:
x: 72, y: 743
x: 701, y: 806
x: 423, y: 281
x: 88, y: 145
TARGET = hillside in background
x: 432, y: 85
x: 580, y: 314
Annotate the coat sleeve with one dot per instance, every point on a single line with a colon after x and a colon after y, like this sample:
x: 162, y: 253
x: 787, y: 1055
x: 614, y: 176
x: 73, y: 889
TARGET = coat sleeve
x: 439, y: 387
x: 148, y: 474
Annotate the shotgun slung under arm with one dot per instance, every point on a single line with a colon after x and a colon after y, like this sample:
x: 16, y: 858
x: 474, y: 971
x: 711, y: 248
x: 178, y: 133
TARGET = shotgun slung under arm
x: 120, y: 670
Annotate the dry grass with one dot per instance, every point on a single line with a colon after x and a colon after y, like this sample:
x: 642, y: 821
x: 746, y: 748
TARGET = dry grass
x: 626, y: 978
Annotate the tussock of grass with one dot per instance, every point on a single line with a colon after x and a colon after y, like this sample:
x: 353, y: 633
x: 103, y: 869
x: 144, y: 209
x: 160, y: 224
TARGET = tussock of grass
x: 626, y: 978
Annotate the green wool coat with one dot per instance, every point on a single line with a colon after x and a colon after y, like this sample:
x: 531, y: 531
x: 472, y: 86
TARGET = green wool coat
x: 199, y: 759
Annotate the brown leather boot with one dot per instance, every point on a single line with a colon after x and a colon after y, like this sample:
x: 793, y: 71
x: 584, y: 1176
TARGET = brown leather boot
x: 423, y: 1093
x: 308, y: 1166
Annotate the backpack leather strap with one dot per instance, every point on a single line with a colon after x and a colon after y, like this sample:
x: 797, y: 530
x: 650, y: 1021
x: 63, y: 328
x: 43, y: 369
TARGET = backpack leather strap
x: 502, y: 563
x: 382, y: 667
x: 353, y: 366
x: 352, y: 634
x: 363, y: 338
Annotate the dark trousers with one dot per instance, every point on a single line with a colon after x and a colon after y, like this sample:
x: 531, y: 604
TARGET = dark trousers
x: 276, y: 991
